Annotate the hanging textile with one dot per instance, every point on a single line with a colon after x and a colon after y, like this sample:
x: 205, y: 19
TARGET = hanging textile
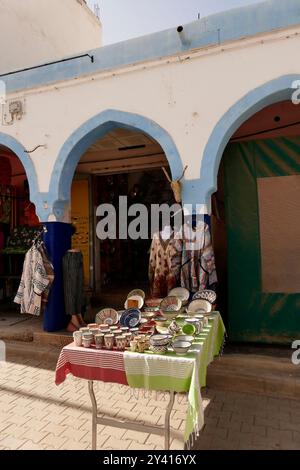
x: 37, y: 278
x: 198, y: 269
x: 164, y: 265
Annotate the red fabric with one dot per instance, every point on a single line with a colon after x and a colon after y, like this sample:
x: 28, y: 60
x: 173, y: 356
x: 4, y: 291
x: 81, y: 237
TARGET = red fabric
x: 90, y: 364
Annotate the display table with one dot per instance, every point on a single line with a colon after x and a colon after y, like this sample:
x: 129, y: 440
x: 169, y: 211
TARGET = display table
x: 168, y: 372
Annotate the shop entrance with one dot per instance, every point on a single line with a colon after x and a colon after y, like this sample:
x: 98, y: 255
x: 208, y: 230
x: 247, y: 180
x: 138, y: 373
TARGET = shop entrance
x: 123, y: 163
x: 256, y: 213
x: 19, y: 225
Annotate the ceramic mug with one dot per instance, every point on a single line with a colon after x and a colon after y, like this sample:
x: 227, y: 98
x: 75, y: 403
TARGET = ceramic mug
x: 84, y: 330
x: 99, y: 340
x: 109, y: 341
x: 142, y: 346
x: 128, y: 337
x: 133, y: 345
x: 77, y: 336
x: 87, y: 339
x: 120, y: 342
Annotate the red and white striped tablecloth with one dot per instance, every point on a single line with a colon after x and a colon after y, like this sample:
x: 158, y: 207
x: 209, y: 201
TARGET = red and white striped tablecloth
x: 90, y: 364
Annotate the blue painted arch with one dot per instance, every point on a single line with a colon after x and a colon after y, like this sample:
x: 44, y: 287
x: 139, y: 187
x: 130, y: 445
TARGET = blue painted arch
x: 17, y: 148
x: 90, y: 132
x: 274, y: 91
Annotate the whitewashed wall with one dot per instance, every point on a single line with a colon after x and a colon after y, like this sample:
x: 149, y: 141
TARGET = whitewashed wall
x: 36, y: 31
x: 185, y: 95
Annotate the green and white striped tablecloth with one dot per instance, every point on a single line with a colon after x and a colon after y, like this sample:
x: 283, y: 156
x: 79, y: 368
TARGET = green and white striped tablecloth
x: 170, y: 372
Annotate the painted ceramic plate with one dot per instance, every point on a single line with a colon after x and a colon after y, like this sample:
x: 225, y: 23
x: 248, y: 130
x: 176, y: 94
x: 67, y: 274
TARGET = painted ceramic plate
x: 171, y: 304
x: 182, y: 293
x: 131, y: 318
x: 139, y: 292
x: 206, y: 294
x: 137, y: 299
x: 153, y: 302
x: 107, y: 316
x: 199, y: 306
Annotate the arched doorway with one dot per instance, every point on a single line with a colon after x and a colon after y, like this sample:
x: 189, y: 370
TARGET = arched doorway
x: 255, y: 214
x: 19, y: 222
x: 114, y: 152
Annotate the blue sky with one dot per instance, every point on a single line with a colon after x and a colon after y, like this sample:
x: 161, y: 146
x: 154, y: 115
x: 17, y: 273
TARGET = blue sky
x: 125, y: 19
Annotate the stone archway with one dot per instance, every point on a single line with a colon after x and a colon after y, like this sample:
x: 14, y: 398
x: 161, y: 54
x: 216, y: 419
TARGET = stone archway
x: 85, y: 136
x: 271, y: 92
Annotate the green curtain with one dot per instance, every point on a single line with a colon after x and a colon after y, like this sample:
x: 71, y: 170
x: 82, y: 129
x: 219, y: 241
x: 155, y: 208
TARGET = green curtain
x: 253, y: 315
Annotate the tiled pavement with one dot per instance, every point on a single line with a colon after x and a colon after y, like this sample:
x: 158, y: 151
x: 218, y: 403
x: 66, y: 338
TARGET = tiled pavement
x: 35, y: 414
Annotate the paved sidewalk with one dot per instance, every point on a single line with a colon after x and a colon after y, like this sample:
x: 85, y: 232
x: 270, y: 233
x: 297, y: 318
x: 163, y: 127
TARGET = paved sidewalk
x: 35, y: 414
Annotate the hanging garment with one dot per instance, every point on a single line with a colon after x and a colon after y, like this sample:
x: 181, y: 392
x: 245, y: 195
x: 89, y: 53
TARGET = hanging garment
x: 198, y: 269
x: 36, y: 280
x: 73, y: 282
x: 164, y: 265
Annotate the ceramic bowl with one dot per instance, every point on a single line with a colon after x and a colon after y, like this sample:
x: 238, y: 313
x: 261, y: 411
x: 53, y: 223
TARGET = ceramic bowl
x: 188, y: 329
x: 109, y: 316
x: 185, y: 338
x: 134, y: 331
x: 182, y: 293
x: 148, y: 315
x: 199, y: 306
x: 153, y: 303
x: 171, y: 307
x: 151, y: 309
x: 134, y: 301
x: 139, y: 292
x: 206, y: 294
x: 181, y: 347
x: 131, y: 317
x: 92, y: 325
x: 203, y: 319
x: 158, y: 349
x: 160, y: 340
x: 160, y: 321
x: 198, y: 324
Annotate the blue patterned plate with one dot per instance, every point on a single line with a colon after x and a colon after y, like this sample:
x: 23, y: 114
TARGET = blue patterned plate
x: 131, y: 318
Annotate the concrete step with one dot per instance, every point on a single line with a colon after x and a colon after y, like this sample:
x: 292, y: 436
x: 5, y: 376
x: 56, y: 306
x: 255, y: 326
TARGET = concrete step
x: 271, y: 376
x: 18, y: 350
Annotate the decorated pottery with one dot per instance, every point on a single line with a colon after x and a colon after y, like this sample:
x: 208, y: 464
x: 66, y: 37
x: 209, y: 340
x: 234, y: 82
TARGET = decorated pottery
x: 160, y: 340
x: 131, y: 317
x: 186, y: 338
x: 153, y: 303
x: 174, y: 328
x: 99, y: 340
x: 199, y: 306
x: 181, y: 347
x: 171, y: 306
x: 134, y: 301
x: 121, y: 342
x: 109, y: 316
x: 182, y: 293
x: 109, y: 341
x: 206, y: 294
x: 139, y: 292
x: 158, y: 349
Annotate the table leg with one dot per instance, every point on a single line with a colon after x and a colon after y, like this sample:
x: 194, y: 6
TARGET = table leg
x: 167, y: 420
x: 94, y: 415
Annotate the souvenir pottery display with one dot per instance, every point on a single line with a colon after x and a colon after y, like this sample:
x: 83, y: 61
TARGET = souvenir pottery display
x: 109, y: 316
x: 181, y: 347
x: 182, y: 293
x: 99, y: 340
x: 109, y: 341
x: 77, y: 336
